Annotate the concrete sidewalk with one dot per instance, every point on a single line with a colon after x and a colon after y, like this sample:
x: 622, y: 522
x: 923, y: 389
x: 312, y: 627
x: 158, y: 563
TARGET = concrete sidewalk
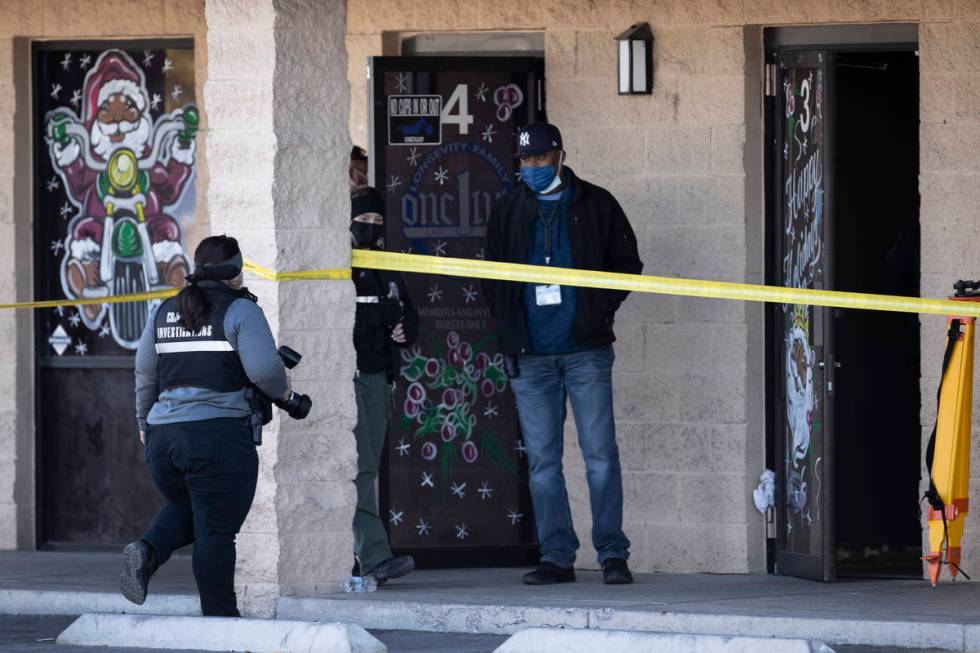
x: 46, y: 582
x: 898, y: 613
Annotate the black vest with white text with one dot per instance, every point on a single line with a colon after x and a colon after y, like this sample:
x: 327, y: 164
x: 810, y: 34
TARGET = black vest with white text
x: 205, y: 358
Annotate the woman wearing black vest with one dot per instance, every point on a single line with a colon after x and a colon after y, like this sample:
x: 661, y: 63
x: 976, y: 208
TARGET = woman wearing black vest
x: 196, y: 360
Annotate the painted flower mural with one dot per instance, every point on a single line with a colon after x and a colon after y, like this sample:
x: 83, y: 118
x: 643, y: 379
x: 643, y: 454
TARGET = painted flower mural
x: 442, y: 398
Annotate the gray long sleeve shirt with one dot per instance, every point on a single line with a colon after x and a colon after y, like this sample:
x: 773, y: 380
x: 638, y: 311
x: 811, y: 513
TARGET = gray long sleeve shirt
x: 248, y: 332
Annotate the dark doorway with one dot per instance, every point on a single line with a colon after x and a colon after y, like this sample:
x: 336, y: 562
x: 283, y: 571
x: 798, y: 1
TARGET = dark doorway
x: 842, y: 166
x: 876, y: 241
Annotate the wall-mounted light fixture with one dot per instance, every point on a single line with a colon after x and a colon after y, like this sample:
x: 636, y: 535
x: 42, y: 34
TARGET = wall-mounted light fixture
x: 636, y: 60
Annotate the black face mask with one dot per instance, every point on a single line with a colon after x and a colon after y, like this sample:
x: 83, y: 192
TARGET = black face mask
x: 366, y: 234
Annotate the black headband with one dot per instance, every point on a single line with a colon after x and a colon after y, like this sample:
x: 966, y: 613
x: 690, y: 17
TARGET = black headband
x: 221, y: 271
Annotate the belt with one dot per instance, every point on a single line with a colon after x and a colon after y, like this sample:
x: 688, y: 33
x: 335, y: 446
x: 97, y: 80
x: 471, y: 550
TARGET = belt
x: 368, y: 299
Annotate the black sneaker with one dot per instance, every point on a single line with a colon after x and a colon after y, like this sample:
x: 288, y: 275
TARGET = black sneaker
x: 615, y: 571
x: 393, y: 568
x: 139, y: 565
x: 549, y: 573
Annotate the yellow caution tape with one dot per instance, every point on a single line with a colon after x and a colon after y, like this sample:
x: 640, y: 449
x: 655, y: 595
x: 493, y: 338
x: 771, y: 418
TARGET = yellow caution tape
x: 660, y: 285
x: 583, y: 278
x: 304, y: 275
x: 113, y: 299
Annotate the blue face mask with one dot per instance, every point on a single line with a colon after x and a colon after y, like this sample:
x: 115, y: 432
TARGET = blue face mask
x: 538, y: 179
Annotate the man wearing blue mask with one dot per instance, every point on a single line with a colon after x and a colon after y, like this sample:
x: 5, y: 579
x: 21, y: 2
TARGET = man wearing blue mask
x: 557, y: 341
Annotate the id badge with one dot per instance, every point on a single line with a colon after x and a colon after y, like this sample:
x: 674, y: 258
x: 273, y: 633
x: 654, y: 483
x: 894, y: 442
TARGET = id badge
x: 548, y: 295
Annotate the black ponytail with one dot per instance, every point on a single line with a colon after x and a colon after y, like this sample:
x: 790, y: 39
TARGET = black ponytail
x: 193, y: 306
x: 192, y: 301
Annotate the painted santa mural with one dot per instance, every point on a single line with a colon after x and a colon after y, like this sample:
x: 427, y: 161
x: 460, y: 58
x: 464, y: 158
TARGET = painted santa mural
x: 123, y: 173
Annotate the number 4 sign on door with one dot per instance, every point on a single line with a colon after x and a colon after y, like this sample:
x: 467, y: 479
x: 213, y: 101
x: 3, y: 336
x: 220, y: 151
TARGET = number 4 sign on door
x: 458, y: 101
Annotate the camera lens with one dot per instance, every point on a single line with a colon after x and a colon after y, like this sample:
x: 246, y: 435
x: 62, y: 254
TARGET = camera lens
x: 296, y: 406
x: 290, y: 357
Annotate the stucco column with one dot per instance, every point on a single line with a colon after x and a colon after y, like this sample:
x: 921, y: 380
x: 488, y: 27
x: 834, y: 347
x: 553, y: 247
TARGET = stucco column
x: 277, y: 104
x: 16, y: 328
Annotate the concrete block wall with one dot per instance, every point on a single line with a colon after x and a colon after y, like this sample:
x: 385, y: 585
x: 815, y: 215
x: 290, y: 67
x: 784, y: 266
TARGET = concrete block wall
x: 241, y: 140
x: 949, y: 183
x: 21, y: 21
x: 16, y: 488
x: 689, y: 374
x: 278, y: 105
x: 317, y: 457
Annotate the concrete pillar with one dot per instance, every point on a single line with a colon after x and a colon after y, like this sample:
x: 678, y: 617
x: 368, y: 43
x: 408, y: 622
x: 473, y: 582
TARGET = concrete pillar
x: 16, y: 328
x: 277, y: 103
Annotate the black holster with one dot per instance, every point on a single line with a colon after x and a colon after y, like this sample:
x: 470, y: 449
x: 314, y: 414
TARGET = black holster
x: 261, y: 412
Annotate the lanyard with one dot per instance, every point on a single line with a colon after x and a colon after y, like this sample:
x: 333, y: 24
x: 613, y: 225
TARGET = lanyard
x: 556, y: 214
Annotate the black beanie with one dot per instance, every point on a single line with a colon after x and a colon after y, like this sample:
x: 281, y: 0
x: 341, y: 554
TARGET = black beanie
x: 367, y: 201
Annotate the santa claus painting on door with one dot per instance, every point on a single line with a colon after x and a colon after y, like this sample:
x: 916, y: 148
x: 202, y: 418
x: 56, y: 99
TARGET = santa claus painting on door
x: 123, y: 173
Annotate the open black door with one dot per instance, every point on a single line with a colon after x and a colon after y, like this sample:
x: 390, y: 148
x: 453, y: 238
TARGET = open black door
x: 803, y: 396
x: 454, y: 478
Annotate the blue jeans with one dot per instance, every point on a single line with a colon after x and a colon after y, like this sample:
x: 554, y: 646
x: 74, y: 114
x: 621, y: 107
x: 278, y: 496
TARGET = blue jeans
x: 541, y: 387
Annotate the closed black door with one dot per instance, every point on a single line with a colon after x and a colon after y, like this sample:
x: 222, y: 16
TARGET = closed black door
x: 114, y: 171
x: 454, y: 478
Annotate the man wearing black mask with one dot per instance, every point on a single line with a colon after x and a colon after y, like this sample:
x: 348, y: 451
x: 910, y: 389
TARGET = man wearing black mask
x: 385, y: 322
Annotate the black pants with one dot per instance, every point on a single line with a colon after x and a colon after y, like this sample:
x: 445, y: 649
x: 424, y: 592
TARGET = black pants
x: 207, y: 472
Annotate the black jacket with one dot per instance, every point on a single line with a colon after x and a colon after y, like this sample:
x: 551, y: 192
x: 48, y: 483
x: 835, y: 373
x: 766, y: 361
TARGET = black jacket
x: 601, y: 239
x: 376, y: 351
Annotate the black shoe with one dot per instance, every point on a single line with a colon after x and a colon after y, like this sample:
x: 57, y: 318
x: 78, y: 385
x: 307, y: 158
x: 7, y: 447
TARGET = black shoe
x: 549, y: 573
x: 615, y: 571
x: 393, y: 568
x: 139, y: 565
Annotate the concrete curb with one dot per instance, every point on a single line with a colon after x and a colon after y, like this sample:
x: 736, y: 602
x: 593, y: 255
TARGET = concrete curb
x: 548, y: 640
x: 69, y: 602
x: 507, y: 620
x: 905, y: 634
x: 216, y: 634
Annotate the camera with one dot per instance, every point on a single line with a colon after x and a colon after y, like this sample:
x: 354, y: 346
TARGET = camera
x: 295, y: 405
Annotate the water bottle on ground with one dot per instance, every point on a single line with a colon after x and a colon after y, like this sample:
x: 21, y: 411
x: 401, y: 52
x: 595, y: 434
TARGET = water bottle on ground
x: 359, y: 584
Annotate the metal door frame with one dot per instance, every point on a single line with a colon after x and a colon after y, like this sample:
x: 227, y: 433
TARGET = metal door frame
x: 831, y: 40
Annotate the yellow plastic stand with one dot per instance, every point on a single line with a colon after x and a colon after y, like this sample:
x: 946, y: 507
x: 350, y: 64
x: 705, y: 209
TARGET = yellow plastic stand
x: 951, y: 452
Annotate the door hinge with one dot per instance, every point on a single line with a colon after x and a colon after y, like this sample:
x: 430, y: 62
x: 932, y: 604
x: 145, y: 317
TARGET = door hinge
x: 770, y: 81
